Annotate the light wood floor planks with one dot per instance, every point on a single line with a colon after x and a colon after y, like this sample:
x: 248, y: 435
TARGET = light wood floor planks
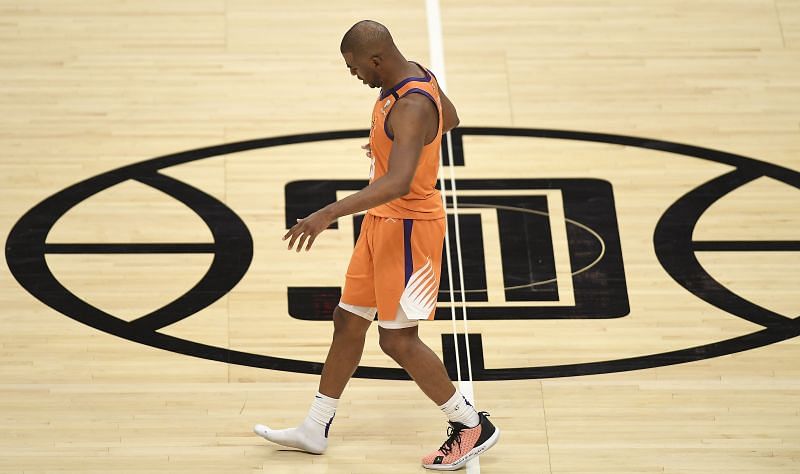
x: 88, y: 87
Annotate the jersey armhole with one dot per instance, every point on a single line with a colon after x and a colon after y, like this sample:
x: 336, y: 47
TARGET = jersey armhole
x: 415, y: 90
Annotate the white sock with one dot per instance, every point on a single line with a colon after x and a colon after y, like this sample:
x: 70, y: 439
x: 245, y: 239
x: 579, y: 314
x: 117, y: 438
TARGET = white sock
x: 312, y: 435
x: 459, y: 410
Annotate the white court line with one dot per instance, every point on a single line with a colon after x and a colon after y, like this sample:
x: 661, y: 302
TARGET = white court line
x: 437, y: 66
x: 436, y: 47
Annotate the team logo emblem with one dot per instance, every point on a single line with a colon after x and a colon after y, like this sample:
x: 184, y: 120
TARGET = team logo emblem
x: 555, y: 246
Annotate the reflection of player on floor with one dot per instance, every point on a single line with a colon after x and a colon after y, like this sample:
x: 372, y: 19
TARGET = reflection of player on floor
x: 395, y: 266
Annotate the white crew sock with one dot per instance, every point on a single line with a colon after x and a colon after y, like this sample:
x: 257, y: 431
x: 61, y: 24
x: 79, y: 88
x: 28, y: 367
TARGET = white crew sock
x: 459, y: 410
x: 312, y: 435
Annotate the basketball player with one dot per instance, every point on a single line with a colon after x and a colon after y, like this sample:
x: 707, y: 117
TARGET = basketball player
x: 395, y: 266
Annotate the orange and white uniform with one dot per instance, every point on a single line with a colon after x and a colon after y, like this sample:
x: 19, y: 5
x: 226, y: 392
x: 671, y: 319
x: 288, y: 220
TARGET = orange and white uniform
x: 396, y: 263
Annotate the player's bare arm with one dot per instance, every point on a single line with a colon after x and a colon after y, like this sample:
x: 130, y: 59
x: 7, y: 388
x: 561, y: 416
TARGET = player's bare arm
x: 412, y: 119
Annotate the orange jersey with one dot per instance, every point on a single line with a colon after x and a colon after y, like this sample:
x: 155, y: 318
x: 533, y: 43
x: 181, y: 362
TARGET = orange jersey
x: 423, y: 201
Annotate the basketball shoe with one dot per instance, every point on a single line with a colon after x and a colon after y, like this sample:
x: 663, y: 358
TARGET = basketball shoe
x: 462, y: 444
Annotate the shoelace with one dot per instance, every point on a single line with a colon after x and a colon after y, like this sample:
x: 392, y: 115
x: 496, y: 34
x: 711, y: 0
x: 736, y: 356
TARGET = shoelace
x: 453, y: 436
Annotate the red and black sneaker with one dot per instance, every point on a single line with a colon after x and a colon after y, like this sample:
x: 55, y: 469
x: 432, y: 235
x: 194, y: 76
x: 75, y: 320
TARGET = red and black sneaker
x: 462, y: 445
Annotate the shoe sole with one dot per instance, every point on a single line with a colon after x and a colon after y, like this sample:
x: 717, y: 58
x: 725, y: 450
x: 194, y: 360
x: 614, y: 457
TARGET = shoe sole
x: 474, y: 452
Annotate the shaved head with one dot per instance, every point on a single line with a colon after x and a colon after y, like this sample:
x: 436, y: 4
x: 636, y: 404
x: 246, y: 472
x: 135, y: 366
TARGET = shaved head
x: 368, y: 38
x: 370, y: 54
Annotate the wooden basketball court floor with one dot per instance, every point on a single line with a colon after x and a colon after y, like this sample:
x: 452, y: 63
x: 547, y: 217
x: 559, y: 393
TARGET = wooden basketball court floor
x: 653, y: 148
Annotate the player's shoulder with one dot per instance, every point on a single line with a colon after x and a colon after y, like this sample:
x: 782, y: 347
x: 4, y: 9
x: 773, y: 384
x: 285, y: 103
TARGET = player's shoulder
x: 414, y: 104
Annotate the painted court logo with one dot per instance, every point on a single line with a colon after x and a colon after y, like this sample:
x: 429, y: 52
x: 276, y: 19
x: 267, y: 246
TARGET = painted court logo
x: 557, y: 242
x: 554, y: 266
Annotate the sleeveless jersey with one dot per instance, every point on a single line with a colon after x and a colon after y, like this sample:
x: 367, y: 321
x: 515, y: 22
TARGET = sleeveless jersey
x: 423, y: 201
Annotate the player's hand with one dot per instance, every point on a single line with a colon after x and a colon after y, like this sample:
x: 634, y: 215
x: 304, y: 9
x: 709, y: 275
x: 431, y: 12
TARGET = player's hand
x: 308, y: 229
x: 367, y: 149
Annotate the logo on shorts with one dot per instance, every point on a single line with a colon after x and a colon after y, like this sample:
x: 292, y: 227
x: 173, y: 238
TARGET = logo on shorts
x: 420, y: 296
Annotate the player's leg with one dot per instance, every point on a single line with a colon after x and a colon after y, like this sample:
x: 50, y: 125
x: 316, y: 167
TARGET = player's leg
x: 422, y: 364
x: 350, y: 324
x: 407, y: 260
x: 408, y: 263
x: 349, y: 332
x: 471, y: 432
x: 343, y: 357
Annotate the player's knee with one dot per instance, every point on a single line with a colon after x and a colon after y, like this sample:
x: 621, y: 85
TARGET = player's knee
x: 396, y: 343
x: 346, y: 324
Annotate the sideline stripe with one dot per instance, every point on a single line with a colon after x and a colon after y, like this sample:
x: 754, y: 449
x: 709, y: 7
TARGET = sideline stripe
x: 436, y: 47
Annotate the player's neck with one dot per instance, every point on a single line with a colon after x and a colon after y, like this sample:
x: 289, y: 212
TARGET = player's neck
x: 404, y: 70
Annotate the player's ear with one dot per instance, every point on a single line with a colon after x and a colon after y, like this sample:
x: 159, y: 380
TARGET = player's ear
x: 376, y: 60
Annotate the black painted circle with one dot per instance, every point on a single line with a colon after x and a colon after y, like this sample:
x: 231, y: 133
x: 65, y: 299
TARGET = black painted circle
x: 26, y: 249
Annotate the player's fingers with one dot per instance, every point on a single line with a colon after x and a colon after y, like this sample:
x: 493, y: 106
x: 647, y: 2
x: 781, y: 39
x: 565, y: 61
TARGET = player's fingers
x: 310, y: 241
x: 287, y: 234
x: 301, y: 242
x: 295, y: 234
x: 365, y: 147
x: 290, y: 231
